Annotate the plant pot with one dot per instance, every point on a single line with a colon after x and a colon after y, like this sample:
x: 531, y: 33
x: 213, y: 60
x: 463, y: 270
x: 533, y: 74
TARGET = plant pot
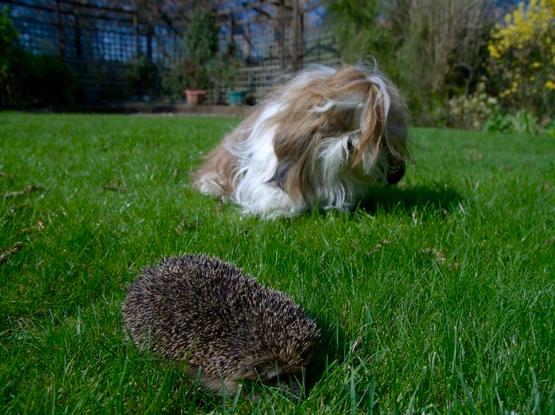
x: 195, y: 96
x: 236, y: 97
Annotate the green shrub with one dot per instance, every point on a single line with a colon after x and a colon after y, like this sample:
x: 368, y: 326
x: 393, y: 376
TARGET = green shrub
x: 9, y: 56
x: 472, y: 111
x: 173, y: 81
x: 224, y: 68
x: 520, y: 122
x: 482, y: 111
x: 43, y: 81
x: 201, y: 48
x: 549, y: 127
x: 431, y: 49
x: 197, y: 67
x: 28, y: 81
x: 142, y: 77
x: 9, y: 49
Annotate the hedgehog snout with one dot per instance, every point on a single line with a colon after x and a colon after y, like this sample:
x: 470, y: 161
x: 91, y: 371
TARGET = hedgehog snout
x: 268, y: 370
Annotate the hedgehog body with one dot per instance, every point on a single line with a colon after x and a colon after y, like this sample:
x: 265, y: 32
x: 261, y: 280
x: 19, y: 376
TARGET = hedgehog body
x: 223, y: 324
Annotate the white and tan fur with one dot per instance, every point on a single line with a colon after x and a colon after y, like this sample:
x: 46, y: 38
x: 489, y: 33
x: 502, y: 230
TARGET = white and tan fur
x: 321, y: 139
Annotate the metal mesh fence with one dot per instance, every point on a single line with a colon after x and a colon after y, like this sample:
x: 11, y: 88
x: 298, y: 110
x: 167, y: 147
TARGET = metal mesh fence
x: 99, y: 43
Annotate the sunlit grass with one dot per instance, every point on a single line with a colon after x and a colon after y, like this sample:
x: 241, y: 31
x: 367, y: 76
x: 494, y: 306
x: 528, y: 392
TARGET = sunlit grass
x: 434, y: 296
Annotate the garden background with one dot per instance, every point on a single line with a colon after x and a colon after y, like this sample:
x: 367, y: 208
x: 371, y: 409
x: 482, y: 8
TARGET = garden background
x: 436, y: 295
x: 465, y: 64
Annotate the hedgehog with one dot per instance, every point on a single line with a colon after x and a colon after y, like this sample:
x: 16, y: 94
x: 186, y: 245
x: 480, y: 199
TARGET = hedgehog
x: 225, y: 326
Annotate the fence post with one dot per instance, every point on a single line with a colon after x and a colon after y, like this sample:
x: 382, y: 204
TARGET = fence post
x: 137, y: 33
x: 59, y: 37
x: 149, y: 42
x: 78, y: 47
x: 297, y: 36
x: 281, y: 39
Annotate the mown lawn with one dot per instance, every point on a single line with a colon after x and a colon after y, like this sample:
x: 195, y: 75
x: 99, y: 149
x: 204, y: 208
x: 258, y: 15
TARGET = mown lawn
x: 435, y: 296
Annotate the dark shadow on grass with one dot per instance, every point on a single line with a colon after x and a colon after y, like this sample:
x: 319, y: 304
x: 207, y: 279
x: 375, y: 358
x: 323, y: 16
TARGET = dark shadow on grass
x: 435, y: 198
x: 439, y: 198
x: 329, y: 350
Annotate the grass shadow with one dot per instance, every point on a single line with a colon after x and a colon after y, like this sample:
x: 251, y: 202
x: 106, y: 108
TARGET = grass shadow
x: 329, y: 350
x: 406, y: 199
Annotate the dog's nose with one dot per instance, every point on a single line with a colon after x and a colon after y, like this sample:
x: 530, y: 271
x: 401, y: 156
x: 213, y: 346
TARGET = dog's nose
x: 395, y: 173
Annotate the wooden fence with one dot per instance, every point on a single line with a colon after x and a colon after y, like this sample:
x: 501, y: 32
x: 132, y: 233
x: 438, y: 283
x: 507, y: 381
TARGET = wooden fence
x: 99, y: 42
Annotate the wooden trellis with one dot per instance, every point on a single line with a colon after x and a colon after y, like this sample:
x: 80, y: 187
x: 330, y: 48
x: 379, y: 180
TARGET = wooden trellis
x: 98, y: 42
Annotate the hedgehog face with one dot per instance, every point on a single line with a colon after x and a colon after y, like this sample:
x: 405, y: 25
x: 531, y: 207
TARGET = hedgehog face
x: 258, y: 370
x: 271, y: 368
x: 274, y: 370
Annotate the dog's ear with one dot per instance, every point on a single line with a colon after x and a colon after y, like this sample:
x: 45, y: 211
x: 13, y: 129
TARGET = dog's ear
x: 281, y: 173
x: 295, y: 141
x: 396, y: 129
x: 373, y: 127
x: 384, y: 130
x: 294, y: 149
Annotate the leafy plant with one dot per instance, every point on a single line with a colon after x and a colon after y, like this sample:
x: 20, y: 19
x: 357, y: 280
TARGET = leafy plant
x: 173, y: 80
x: 431, y: 49
x: 9, y: 49
x: 27, y: 80
x: 47, y: 80
x: 201, y: 48
x: 10, y: 54
x: 224, y: 68
x: 520, y: 122
x: 472, y: 111
x: 142, y: 77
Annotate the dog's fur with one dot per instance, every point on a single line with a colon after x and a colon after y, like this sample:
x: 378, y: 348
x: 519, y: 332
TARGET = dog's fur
x: 321, y: 139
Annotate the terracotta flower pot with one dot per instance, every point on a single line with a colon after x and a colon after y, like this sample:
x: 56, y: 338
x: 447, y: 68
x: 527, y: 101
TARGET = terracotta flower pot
x: 195, y: 96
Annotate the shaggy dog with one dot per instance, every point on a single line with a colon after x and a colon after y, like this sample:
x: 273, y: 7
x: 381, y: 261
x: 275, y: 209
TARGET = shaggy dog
x: 322, y: 139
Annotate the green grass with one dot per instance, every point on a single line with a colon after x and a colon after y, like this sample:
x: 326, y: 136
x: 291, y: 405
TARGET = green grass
x: 435, y: 296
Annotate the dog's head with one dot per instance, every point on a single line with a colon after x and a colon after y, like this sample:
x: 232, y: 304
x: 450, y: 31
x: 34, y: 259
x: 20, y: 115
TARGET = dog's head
x: 331, y: 125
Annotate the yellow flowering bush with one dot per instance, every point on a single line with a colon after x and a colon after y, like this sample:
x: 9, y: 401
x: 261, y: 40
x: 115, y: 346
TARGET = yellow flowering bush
x: 521, y: 63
